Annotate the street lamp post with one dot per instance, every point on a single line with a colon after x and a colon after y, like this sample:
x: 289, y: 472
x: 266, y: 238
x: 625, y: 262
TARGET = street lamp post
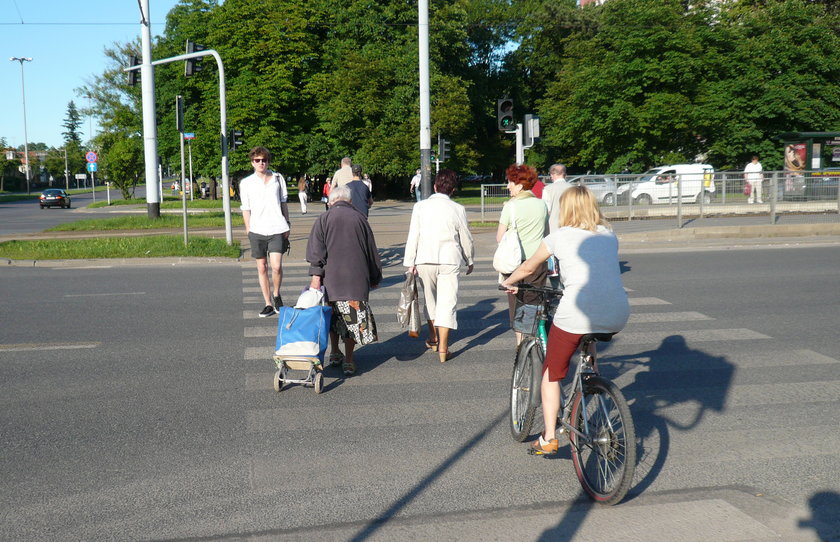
x: 25, y: 136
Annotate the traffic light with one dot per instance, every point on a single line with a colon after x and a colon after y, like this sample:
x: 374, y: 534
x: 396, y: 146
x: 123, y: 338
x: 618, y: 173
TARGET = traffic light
x: 504, y: 115
x: 192, y: 65
x: 236, y: 139
x: 443, y: 150
x: 134, y: 75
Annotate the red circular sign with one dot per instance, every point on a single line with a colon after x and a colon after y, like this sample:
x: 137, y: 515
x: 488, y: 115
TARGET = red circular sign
x: 91, y: 157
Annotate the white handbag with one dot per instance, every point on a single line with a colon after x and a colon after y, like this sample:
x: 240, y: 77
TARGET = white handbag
x: 508, y: 254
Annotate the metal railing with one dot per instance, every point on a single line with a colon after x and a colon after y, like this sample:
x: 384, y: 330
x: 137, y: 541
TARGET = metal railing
x: 803, y: 197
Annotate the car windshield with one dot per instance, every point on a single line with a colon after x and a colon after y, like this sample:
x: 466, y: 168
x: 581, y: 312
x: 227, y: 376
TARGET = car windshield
x: 649, y: 175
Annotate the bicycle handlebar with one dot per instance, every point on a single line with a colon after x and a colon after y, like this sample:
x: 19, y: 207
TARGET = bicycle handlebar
x: 541, y: 289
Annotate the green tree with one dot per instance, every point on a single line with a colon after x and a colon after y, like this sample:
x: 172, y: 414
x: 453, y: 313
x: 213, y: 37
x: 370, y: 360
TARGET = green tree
x: 72, y: 123
x: 777, y: 70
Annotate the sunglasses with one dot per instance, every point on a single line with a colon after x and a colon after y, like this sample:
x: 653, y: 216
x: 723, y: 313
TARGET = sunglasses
x: 264, y: 160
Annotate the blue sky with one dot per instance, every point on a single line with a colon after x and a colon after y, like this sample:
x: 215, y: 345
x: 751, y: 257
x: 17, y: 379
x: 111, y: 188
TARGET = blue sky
x: 66, y: 40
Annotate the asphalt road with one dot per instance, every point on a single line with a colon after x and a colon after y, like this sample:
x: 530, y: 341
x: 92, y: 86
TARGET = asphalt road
x: 137, y: 404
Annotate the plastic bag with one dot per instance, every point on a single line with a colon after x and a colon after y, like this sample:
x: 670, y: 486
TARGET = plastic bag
x: 309, y: 298
x: 408, y: 306
x: 747, y: 189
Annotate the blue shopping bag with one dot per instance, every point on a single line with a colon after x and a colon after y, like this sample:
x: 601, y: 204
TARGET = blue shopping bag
x: 303, y: 333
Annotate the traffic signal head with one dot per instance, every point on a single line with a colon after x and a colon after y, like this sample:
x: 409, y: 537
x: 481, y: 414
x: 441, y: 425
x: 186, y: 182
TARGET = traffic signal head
x: 192, y: 65
x: 504, y: 115
x: 236, y: 139
x: 443, y: 151
x: 134, y: 75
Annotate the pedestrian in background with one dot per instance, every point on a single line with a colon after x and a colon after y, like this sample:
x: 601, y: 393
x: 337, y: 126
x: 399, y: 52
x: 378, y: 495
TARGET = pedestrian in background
x: 344, y: 174
x: 265, y: 213
x: 753, y: 174
x: 343, y: 257
x: 302, y: 196
x: 325, y: 193
x: 414, y: 186
x: 552, y: 193
x: 439, y: 243
x: 360, y: 196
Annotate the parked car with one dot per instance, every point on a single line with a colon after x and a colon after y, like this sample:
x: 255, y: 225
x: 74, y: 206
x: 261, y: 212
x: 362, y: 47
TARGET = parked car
x: 604, y: 188
x: 659, y: 185
x: 52, y: 197
x: 822, y: 186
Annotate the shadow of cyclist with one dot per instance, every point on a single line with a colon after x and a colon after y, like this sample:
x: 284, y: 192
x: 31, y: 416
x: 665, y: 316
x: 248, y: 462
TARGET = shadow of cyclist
x: 672, y: 374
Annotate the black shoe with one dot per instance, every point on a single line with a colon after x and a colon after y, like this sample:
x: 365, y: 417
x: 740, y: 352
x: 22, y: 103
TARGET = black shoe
x: 278, y: 302
x: 268, y: 311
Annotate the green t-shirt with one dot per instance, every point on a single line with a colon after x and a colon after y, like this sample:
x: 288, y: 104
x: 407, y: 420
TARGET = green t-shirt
x: 531, y: 220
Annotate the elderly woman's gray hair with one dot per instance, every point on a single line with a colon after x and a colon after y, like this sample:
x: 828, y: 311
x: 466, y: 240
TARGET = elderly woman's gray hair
x: 340, y: 193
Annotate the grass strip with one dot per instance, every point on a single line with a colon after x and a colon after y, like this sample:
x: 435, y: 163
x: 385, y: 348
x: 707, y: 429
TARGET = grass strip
x: 156, y: 246
x: 142, y: 222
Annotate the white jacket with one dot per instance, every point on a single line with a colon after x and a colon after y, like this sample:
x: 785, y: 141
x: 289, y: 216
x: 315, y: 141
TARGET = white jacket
x: 438, y: 234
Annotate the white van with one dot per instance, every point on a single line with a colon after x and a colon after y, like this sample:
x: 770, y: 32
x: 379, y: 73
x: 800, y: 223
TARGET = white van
x: 659, y: 185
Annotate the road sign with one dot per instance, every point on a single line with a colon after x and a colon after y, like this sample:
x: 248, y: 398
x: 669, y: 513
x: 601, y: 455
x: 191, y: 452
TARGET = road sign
x: 91, y: 166
x: 189, y: 135
x: 81, y: 176
x: 91, y: 157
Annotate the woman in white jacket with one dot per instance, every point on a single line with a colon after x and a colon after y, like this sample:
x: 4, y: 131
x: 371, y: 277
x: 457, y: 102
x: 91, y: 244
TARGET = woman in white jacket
x: 439, y: 242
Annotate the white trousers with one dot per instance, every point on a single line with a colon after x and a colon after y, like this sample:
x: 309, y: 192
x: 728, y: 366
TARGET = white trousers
x: 440, y: 291
x: 302, y: 198
x: 755, y: 192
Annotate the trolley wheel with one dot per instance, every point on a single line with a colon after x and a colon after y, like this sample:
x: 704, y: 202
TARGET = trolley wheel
x: 319, y: 382
x: 278, y: 381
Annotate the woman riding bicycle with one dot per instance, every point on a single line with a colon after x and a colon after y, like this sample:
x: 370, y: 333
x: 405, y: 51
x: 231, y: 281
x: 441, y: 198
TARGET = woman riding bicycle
x: 594, y: 300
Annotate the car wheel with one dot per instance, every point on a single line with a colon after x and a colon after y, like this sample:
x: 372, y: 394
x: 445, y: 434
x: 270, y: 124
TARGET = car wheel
x: 706, y: 197
x: 68, y: 204
x: 609, y: 199
x: 42, y: 206
x: 644, y: 199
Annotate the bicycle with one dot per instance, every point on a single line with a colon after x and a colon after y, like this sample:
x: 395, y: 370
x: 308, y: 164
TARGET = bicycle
x: 593, y: 412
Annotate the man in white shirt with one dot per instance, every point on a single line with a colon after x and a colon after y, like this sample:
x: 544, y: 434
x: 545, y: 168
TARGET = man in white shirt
x: 266, y: 215
x: 753, y: 174
x: 343, y: 175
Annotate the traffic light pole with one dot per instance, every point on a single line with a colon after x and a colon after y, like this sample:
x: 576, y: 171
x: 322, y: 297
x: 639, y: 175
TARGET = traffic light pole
x: 520, y: 150
x: 222, y: 118
x: 425, y: 107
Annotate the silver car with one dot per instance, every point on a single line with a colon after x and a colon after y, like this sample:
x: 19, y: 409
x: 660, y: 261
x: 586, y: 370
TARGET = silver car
x: 601, y: 186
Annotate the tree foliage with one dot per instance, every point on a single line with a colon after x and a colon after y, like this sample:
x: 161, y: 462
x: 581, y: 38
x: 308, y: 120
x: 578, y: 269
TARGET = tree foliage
x: 627, y: 84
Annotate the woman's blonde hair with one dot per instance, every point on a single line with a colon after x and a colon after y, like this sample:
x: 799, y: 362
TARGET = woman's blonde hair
x: 579, y: 209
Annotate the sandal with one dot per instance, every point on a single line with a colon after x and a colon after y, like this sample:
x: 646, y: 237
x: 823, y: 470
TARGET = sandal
x: 348, y: 367
x: 537, y: 448
x: 432, y: 345
x: 336, y: 359
x: 444, y: 356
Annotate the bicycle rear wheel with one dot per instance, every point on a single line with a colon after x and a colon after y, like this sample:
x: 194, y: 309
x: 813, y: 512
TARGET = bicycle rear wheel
x: 604, y: 462
x: 525, y: 388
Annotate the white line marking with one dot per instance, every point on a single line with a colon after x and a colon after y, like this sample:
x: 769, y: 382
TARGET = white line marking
x: 104, y: 294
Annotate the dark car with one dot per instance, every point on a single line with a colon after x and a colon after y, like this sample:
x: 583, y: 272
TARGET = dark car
x: 52, y: 197
x: 822, y: 186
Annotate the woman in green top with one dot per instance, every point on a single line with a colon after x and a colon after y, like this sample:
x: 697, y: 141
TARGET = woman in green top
x: 531, y: 219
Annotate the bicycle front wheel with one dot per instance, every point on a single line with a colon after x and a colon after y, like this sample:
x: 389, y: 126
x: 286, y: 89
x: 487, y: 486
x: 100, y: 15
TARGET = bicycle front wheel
x: 525, y: 388
x: 605, y: 457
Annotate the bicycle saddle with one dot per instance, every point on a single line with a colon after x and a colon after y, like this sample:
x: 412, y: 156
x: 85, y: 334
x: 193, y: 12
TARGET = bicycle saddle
x: 602, y: 337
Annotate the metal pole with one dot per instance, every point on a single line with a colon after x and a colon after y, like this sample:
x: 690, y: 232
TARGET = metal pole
x: 183, y: 189
x: 66, y: 171
x: 520, y: 151
x: 25, y: 135
x: 147, y: 85
x: 93, y: 186
x: 425, y: 107
x: 192, y: 192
